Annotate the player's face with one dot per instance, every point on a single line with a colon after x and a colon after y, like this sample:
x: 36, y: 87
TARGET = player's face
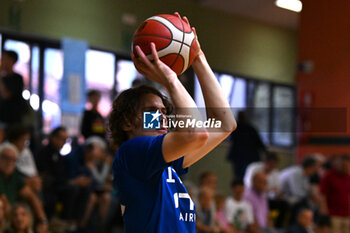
x: 150, y: 103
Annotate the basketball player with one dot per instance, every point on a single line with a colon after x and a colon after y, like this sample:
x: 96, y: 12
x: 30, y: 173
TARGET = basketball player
x: 149, y: 162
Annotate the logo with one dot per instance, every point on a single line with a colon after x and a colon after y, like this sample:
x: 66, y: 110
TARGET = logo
x: 151, y: 120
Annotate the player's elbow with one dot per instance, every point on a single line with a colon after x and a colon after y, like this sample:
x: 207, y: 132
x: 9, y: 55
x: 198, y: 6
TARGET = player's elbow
x: 230, y: 126
x: 200, y: 138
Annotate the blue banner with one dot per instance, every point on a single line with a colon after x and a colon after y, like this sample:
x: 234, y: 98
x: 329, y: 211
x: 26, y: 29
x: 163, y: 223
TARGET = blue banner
x: 73, y: 86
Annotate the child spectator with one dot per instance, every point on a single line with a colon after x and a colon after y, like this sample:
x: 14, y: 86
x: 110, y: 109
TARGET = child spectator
x: 238, y: 211
x: 98, y: 162
x: 205, y: 212
x: 93, y: 123
x: 220, y: 217
x: 208, y: 179
x: 21, y: 220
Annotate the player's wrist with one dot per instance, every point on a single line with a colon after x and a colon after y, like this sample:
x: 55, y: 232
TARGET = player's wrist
x: 199, y: 61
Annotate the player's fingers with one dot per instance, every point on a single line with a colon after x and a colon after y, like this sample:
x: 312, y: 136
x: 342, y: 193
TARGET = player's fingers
x: 142, y: 57
x: 186, y: 20
x: 154, y: 52
x: 138, y: 64
x: 177, y: 14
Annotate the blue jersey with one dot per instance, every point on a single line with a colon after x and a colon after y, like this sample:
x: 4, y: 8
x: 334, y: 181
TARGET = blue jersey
x: 155, y: 199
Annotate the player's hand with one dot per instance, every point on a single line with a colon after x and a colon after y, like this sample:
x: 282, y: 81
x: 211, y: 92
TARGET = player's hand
x: 196, y: 46
x: 156, y: 70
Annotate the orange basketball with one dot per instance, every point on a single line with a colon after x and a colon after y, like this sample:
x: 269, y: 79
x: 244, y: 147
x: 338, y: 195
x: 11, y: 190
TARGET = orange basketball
x: 175, y: 41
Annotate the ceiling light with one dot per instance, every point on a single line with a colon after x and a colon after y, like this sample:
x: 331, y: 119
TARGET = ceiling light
x: 293, y: 5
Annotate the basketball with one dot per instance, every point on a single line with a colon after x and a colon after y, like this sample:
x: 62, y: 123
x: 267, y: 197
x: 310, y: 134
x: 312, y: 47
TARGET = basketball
x: 174, y: 39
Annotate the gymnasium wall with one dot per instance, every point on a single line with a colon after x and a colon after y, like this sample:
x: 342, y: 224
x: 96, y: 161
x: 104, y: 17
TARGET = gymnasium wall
x: 231, y: 43
x: 324, y: 39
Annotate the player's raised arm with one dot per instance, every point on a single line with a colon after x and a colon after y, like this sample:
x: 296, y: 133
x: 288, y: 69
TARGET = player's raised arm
x: 181, y: 141
x: 217, y: 107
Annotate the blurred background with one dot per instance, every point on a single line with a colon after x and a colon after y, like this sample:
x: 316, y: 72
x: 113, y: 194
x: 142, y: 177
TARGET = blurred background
x: 287, y: 70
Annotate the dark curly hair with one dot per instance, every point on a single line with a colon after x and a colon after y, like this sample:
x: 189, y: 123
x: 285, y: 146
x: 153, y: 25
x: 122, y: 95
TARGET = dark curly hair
x: 126, y: 107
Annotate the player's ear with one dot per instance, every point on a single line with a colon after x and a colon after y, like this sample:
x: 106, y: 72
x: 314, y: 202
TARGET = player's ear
x: 127, y: 126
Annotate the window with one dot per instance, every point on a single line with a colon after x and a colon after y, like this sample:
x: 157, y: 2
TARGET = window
x: 53, y: 72
x: 126, y: 75
x: 258, y: 98
x: 282, y: 127
x: 99, y: 72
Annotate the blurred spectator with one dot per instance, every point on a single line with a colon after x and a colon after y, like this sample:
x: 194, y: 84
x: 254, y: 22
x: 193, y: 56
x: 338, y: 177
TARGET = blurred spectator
x: 14, y: 109
x: 246, y: 146
x: 8, y: 60
x: 98, y: 162
x: 205, y: 212
x: 323, y: 224
x: 269, y: 167
x: 304, y: 222
x: 256, y: 196
x: 21, y: 221
x: 316, y: 177
x: 2, y: 216
x: 220, y: 217
x: 12, y: 186
x: 295, y: 183
x: 311, y: 202
x: 19, y: 136
x: 93, y: 124
x: 208, y: 179
x: 238, y: 211
x: 57, y: 185
x: 335, y: 190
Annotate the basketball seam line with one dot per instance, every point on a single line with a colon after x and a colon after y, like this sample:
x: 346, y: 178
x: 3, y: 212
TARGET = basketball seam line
x: 164, y: 37
x: 182, y: 42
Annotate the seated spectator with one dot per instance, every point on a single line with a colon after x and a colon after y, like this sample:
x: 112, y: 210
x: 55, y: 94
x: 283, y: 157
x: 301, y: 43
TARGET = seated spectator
x: 2, y: 216
x: 57, y: 185
x: 12, y: 186
x: 256, y: 197
x: 323, y: 224
x: 311, y: 202
x: 304, y: 222
x: 208, y: 179
x: 19, y: 136
x: 335, y: 190
x: 220, y: 217
x: 93, y: 123
x: 21, y: 220
x: 269, y: 167
x: 320, y: 161
x: 205, y: 212
x: 98, y: 162
x: 295, y: 184
x: 238, y: 211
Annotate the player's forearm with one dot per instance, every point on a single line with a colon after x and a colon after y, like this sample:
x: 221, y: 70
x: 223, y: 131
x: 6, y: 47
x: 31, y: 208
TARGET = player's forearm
x: 183, y: 103
x: 216, y: 103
